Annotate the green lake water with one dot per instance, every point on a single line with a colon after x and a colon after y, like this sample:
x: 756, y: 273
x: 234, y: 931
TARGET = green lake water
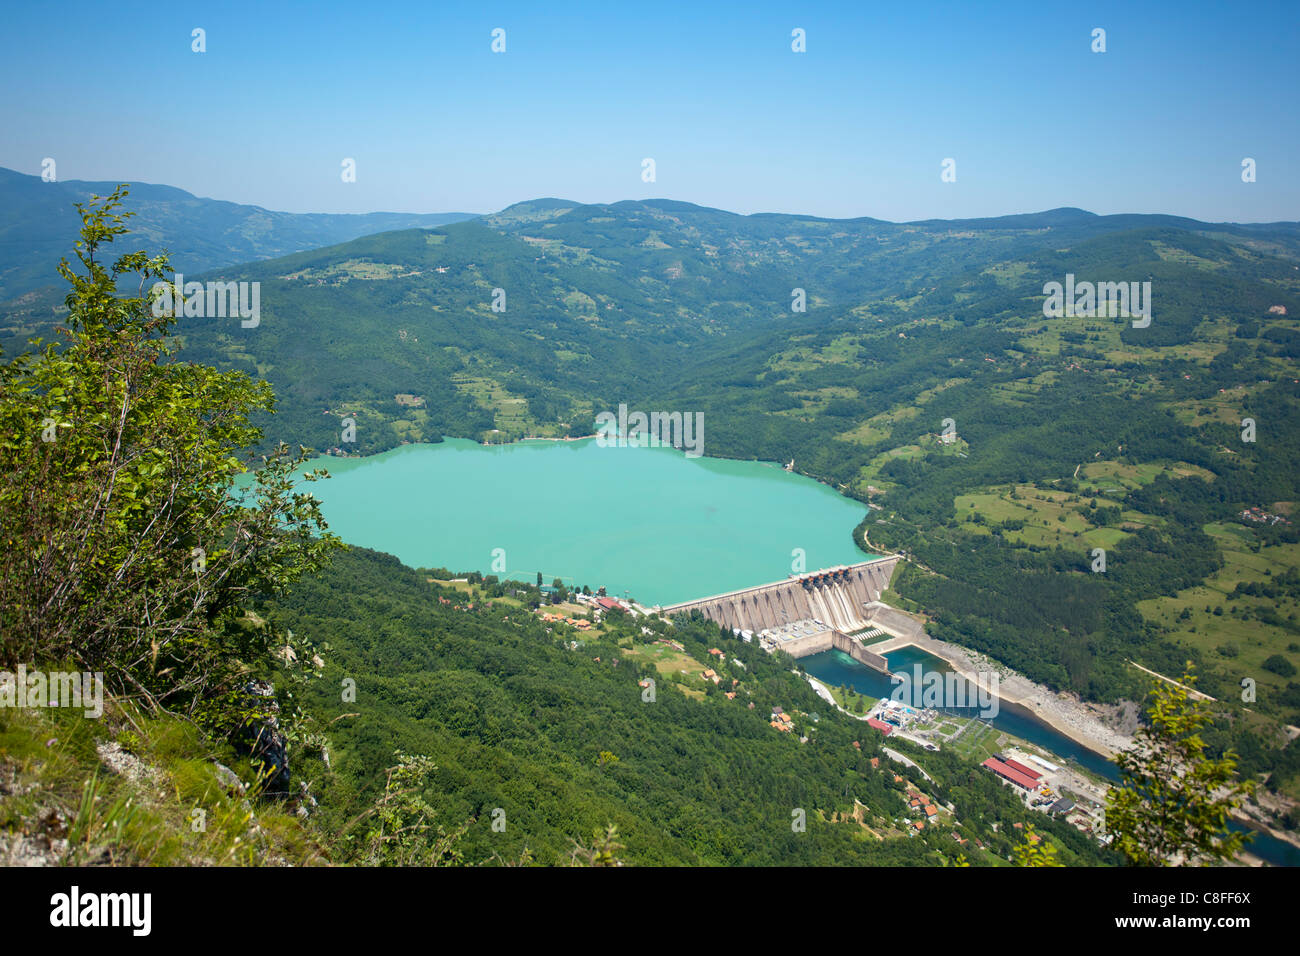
x: 649, y: 521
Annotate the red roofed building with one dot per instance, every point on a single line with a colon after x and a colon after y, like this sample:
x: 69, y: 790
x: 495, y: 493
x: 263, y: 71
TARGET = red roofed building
x: 880, y: 725
x: 1010, y: 773
x: 1029, y: 772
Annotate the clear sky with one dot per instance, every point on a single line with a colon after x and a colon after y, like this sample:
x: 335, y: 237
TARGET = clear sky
x: 858, y: 125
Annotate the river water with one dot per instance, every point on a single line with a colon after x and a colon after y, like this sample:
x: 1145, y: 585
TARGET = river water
x: 835, y: 668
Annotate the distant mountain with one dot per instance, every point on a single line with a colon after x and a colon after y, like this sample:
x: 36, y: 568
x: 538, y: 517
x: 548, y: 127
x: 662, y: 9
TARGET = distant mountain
x: 612, y: 302
x: 200, y: 234
x: 654, y: 300
x: 1070, y: 434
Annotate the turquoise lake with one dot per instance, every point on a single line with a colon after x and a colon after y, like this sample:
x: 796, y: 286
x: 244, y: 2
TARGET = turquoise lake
x: 649, y: 521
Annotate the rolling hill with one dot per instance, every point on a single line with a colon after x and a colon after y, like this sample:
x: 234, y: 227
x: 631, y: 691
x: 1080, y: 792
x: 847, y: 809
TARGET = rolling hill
x: 200, y: 234
x: 1063, y: 435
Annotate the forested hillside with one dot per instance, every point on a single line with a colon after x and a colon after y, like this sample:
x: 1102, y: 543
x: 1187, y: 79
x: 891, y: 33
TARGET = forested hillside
x: 557, y: 741
x: 1063, y: 435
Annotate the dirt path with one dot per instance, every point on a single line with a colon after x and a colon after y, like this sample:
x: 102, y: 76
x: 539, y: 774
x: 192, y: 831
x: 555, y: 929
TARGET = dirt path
x: 1191, y: 691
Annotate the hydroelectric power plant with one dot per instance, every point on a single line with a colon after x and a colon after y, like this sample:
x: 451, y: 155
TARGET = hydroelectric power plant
x: 811, y: 613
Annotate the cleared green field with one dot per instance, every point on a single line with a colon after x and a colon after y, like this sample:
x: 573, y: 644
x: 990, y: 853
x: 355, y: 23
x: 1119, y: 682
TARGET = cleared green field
x: 511, y: 413
x: 1236, y: 640
x: 1050, y: 517
x: 843, y: 349
x: 851, y: 701
x: 1103, y: 475
x: 669, y: 661
x: 878, y: 427
x: 871, y: 473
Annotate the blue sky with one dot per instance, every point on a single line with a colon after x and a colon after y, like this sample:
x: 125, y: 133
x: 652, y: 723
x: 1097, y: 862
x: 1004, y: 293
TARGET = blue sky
x: 857, y: 126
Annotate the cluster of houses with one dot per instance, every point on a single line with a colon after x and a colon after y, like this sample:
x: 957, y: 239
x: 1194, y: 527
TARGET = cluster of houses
x: 599, y: 604
x: 1260, y: 516
x: 925, y: 810
x: 710, y: 674
x: 580, y: 623
x: 604, y: 604
x: 457, y: 607
x: 781, y: 720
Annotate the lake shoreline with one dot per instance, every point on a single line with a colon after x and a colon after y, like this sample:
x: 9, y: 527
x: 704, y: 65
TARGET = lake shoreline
x: 360, y: 456
x: 1065, y: 714
x: 549, y: 505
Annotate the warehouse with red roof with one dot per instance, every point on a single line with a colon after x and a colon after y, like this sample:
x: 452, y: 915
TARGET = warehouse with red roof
x: 1010, y: 773
x: 1029, y: 772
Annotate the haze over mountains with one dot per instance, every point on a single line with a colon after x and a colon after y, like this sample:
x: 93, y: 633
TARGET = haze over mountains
x: 636, y: 300
x: 203, y: 234
x: 199, y: 233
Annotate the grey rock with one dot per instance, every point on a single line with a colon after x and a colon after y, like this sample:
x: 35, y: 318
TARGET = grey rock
x: 229, y: 779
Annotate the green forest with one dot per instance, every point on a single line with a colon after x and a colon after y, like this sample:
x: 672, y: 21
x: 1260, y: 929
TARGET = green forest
x: 1000, y: 451
x: 517, y: 721
x: 1071, y: 433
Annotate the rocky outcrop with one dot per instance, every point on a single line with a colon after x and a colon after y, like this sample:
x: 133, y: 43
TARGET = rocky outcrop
x: 265, y: 742
x: 126, y: 764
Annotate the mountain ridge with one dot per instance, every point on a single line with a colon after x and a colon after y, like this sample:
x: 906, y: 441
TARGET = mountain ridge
x: 199, y: 233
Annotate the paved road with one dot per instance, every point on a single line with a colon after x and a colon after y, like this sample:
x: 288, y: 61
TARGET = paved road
x: 895, y: 755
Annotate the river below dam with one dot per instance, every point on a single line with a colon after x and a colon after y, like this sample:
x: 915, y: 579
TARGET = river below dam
x: 835, y: 668
x: 650, y: 522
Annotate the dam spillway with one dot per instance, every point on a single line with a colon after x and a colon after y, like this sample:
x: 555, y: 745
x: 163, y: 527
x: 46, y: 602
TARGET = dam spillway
x: 836, y: 597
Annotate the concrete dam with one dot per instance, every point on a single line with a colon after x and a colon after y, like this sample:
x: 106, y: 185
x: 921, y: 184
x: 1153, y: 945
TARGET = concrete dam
x: 808, y: 613
x: 837, y: 597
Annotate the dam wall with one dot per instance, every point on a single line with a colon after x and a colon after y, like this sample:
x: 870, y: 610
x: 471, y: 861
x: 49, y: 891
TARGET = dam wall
x: 895, y: 622
x: 838, y: 597
x: 810, y: 645
x: 842, y: 642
